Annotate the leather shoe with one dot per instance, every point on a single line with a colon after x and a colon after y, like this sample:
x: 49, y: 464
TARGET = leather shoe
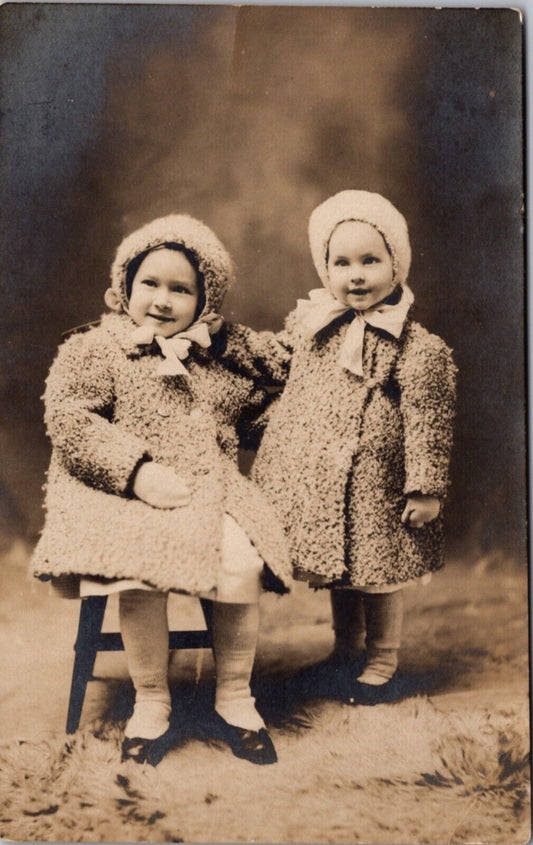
x: 149, y: 751
x: 370, y: 694
x: 254, y: 746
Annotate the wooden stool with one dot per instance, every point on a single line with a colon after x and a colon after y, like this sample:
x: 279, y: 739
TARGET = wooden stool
x: 91, y: 640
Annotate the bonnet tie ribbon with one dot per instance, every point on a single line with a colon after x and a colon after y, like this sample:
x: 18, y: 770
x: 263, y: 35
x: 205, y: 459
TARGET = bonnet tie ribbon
x: 174, y: 349
x: 322, y: 308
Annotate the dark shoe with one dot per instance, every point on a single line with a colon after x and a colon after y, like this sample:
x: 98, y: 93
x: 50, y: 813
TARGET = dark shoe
x: 149, y: 751
x: 371, y: 694
x: 354, y: 664
x: 254, y: 746
x: 330, y: 679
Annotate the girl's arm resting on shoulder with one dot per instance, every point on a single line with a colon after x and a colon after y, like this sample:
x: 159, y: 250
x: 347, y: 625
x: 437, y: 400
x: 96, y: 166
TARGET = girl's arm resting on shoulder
x: 263, y: 356
x: 426, y: 376
x: 254, y: 418
x: 79, y: 399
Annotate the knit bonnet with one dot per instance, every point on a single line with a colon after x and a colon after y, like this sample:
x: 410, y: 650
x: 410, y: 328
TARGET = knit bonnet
x: 214, y: 262
x: 363, y: 207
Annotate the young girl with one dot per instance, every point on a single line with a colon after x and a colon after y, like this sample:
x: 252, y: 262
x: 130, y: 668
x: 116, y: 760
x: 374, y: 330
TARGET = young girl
x: 144, y: 495
x: 355, y: 455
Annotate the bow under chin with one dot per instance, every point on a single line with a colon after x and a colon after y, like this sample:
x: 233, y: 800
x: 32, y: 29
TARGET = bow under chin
x: 174, y: 349
x: 317, y: 312
x: 322, y: 308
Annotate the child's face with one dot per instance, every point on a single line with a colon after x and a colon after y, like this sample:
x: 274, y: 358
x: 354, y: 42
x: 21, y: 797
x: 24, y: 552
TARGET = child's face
x: 359, y: 265
x: 164, y: 293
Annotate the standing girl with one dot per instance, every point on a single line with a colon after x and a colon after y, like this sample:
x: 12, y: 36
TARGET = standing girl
x: 144, y: 495
x: 356, y: 452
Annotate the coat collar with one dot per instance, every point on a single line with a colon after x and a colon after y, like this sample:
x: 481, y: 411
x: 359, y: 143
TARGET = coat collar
x: 121, y: 328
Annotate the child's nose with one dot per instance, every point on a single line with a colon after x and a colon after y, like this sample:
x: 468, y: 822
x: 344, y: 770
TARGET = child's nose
x: 161, y: 298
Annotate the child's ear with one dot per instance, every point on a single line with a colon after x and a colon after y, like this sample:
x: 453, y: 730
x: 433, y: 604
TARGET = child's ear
x: 112, y: 300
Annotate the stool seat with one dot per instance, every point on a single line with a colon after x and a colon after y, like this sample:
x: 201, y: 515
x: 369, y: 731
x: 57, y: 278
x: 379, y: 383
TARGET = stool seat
x: 90, y: 640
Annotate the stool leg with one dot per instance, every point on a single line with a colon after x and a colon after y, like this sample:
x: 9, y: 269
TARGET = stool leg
x: 90, y: 625
x: 207, y: 609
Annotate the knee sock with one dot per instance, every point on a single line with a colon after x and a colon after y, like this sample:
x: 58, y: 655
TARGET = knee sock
x: 235, y: 630
x: 384, y: 616
x: 348, y: 613
x: 144, y: 629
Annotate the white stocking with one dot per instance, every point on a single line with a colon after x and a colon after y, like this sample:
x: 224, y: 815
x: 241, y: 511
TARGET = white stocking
x: 384, y: 617
x: 144, y: 629
x: 235, y: 630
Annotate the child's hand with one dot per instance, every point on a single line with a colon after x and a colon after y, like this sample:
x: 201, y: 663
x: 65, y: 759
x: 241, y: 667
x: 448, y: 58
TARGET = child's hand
x: 160, y: 487
x: 420, y: 509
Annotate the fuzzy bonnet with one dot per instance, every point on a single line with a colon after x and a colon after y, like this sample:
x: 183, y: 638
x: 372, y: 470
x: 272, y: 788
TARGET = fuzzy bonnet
x: 214, y: 262
x: 364, y: 207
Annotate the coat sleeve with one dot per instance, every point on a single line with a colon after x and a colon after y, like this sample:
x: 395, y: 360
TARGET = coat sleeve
x: 264, y: 356
x: 250, y: 425
x: 426, y: 375
x: 79, y: 400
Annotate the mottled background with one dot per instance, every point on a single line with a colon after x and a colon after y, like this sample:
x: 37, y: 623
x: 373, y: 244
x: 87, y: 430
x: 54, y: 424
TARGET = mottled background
x: 248, y: 118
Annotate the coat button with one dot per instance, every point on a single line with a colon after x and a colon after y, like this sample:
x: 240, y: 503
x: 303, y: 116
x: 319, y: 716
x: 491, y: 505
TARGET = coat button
x: 162, y: 411
x: 195, y: 414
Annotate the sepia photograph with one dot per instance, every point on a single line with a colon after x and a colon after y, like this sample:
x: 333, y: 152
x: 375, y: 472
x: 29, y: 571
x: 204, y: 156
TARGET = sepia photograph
x: 263, y: 438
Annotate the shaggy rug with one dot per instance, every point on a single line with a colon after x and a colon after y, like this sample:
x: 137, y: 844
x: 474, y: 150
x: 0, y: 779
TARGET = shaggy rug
x: 404, y: 772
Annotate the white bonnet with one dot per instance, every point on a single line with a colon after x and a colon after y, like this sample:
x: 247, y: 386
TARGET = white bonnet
x: 364, y: 207
x: 214, y: 262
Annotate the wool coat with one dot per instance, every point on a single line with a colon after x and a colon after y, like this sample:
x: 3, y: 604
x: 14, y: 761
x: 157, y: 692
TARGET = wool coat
x: 341, y: 452
x: 106, y: 411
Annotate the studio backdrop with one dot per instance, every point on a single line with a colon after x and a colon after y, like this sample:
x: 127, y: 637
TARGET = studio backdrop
x: 248, y: 117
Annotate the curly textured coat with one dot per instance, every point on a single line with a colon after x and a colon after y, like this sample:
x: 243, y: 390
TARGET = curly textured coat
x: 340, y: 453
x: 105, y: 411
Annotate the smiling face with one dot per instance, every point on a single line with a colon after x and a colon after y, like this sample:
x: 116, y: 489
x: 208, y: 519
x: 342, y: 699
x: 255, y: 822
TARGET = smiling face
x: 165, y: 292
x: 359, y: 265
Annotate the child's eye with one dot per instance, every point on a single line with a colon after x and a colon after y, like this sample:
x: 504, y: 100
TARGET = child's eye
x: 371, y: 259
x: 180, y: 289
x: 341, y: 262
x: 148, y: 282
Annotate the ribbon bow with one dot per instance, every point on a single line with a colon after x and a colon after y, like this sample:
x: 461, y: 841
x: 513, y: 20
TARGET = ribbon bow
x: 175, y: 349
x: 322, y: 308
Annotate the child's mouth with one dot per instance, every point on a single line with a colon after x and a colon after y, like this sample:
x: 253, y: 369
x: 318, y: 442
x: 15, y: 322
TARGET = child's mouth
x: 160, y: 317
x: 358, y: 292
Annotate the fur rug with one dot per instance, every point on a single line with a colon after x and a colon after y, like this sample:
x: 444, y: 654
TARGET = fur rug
x: 403, y: 772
